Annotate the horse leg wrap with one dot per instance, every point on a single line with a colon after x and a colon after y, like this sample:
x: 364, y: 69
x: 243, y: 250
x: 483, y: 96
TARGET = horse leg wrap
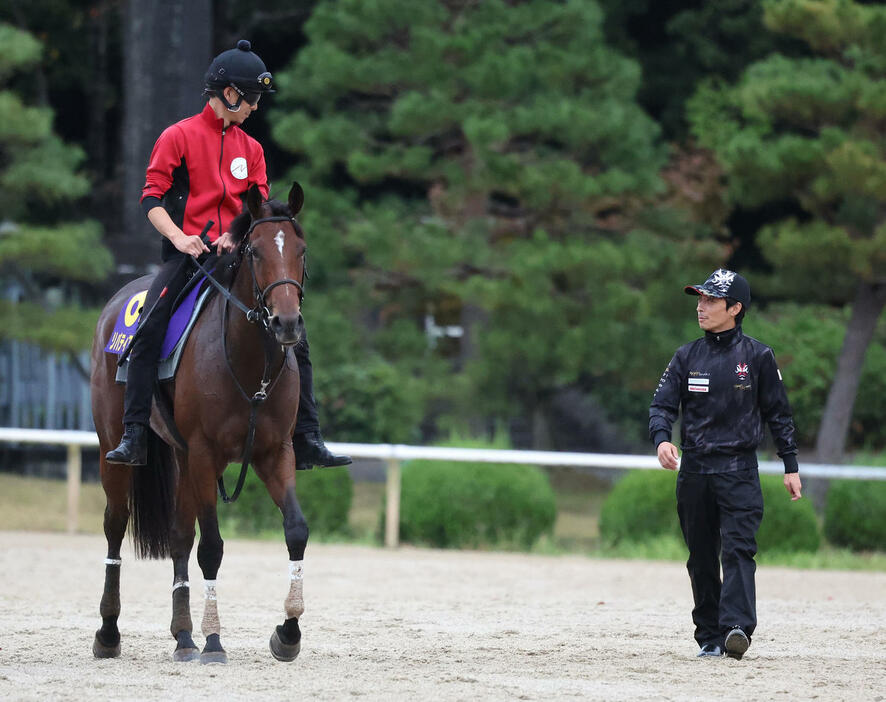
x: 110, y: 604
x: 181, y: 609
x: 210, y: 623
x: 295, y: 601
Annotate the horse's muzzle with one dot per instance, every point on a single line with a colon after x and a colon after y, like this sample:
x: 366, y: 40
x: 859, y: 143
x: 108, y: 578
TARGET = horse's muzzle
x: 288, y: 329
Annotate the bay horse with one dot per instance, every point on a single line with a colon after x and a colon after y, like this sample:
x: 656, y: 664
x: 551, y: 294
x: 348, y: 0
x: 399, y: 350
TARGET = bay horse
x: 228, y: 355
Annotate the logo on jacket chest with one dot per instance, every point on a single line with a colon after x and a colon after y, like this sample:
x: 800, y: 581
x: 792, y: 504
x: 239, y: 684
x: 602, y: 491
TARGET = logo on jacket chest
x: 699, y: 381
x: 239, y: 169
x: 742, y: 371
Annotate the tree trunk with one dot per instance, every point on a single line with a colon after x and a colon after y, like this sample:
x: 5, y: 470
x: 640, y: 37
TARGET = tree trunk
x: 869, y: 301
x: 167, y: 50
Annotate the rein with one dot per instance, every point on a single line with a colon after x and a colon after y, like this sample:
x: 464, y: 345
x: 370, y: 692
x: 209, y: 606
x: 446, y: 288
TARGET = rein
x: 260, y: 314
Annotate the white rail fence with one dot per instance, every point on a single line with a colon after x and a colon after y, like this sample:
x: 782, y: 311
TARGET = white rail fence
x: 395, y: 454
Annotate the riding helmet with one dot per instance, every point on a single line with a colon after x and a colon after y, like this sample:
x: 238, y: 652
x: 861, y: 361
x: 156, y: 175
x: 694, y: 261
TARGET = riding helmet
x: 241, y: 70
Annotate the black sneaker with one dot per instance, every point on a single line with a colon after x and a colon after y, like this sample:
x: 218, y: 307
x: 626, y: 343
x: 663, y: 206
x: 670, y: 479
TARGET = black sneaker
x: 737, y: 643
x: 310, y: 451
x: 710, y: 650
x: 133, y: 448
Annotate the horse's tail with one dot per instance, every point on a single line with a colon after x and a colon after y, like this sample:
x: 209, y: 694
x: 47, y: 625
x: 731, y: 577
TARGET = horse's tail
x: 151, y: 500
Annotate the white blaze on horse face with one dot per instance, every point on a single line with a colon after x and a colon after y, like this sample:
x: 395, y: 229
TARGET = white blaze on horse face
x: 279, y: 239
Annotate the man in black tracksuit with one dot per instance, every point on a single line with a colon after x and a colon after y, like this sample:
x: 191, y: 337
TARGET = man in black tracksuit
x: 727, y: 385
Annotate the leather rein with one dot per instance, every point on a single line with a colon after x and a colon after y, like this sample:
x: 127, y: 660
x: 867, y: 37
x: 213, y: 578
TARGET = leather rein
x: 261, y: 315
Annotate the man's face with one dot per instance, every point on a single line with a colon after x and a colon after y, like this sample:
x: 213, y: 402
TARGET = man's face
x: 713, y: 315
x: 238, y: 117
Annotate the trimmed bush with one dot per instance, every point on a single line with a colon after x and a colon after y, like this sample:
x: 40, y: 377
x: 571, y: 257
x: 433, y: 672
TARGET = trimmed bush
x: 787, y: 526
x: 472, y: 505
x: 324, y: 494
x: 642, y: 505
x: 855, y: 516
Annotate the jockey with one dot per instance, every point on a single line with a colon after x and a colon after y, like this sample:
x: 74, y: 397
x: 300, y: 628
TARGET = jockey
x: 200, y: 170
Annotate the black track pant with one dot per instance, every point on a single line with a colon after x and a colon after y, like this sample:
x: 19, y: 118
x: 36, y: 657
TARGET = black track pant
x: 719, y: 515
x: 142, y: 372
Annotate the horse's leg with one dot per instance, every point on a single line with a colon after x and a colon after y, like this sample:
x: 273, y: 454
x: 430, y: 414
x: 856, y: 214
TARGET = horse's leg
x: 181, y: 542
x: 116, y: 484
x: 286, y: 639
x: 209, y: 556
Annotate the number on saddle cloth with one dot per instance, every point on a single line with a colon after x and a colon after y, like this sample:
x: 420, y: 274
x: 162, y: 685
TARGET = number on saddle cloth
x: 180, y: 324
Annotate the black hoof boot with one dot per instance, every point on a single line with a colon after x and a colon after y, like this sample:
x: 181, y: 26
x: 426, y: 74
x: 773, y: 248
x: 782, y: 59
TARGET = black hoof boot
x: 105, y: 649
x: 185, y: 649
x: 213, y: 651
x: 286, y: 641
x: 133, y: 448
x: 310, y: 451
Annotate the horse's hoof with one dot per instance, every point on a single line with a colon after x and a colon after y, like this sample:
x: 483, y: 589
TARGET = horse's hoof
x: 184, y: 655
x: 213, y: 657
x: 100, y: 650
x: 283, y: 651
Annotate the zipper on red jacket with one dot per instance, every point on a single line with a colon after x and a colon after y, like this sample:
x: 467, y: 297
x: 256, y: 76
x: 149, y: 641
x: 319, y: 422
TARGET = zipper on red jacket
x: 221, y: 156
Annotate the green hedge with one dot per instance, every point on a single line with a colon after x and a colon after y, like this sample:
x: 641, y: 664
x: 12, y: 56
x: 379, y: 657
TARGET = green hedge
x: 643, y: 505
x: 787, y: 526
x: 472, y: 505
x: 855, y: 516
x: 325, y: 496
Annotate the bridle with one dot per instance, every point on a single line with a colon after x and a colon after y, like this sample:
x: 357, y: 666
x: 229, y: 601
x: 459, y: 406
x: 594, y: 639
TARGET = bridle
x: 261, y: 315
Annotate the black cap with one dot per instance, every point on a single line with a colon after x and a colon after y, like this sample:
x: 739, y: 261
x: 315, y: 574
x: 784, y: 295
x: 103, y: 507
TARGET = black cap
x: 240, y: 69
x: 723, y: 283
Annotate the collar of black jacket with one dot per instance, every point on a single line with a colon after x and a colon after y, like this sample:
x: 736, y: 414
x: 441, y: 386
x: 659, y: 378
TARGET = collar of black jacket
x: 724, y: 338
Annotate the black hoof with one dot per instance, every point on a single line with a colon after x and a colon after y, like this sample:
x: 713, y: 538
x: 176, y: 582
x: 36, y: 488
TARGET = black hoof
x: 284, y: 648
x: 100, y: 650
x: 185, y: 650
x: 213, y: 651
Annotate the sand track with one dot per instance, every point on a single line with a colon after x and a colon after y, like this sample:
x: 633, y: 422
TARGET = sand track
x: 429, y: 625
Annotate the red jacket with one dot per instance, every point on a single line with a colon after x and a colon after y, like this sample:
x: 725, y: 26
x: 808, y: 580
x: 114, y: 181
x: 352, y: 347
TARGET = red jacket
x: 200, y: 171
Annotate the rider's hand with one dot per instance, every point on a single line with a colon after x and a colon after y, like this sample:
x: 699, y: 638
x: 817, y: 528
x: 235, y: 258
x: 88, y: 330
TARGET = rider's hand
x: 668, y: 456
x: 189, y: 245
x: 224, y: 243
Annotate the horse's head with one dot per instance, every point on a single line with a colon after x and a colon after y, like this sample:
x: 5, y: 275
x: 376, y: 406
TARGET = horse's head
x: 273, y: 249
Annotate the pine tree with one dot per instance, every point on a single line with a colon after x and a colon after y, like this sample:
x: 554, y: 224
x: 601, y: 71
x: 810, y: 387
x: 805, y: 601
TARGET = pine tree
x: 806, y: 135
x: 486, y: 162
x: 46, y: 249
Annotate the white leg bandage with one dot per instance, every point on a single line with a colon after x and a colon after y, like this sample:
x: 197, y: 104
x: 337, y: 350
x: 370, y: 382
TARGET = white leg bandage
x: 113, y: 561
x: 295, y: 602
x: 210, y: 623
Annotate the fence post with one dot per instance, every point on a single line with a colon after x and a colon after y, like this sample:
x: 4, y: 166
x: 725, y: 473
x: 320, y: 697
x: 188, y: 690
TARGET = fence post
x: 74, y: 469
x: 392, y: 513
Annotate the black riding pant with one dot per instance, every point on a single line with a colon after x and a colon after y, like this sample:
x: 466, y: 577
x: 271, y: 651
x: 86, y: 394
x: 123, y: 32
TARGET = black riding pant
x: 142, y: 373
x: 719, y: 515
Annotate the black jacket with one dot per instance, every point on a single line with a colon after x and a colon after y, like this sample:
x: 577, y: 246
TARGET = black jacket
x: 727, y: 385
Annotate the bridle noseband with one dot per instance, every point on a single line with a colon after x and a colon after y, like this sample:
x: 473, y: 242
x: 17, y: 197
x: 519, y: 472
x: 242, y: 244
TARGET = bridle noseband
x: 260, y: 314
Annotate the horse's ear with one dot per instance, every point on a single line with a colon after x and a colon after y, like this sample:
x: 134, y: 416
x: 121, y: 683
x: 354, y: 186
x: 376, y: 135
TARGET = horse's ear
x: 296, y: 198
x: 254, y: 200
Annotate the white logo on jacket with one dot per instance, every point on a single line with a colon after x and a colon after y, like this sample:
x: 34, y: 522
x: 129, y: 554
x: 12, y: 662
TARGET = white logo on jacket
x: 239, y: 169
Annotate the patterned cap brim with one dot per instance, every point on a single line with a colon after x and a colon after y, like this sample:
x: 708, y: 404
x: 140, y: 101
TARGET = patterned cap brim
x: 702, y: 290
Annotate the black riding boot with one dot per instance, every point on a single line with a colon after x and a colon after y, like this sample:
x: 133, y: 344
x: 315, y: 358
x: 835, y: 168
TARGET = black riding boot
x: 133, y: 448
x: 307, y: 441
x: 310, y: 451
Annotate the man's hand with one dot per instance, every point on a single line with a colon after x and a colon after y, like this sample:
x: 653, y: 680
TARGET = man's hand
x: 189, y: 245
x: 224, y: 243
x: 668, y: 456
x: 792, y: 483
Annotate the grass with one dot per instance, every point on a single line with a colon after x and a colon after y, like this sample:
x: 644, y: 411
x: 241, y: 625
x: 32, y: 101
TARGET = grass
x: 38, y: 504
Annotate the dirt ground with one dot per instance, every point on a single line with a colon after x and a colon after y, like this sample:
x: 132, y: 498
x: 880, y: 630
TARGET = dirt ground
x: 430, y: 625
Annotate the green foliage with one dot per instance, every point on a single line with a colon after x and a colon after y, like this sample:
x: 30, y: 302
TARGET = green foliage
x: 324, y: 495
x: 641, y: 506
x: 787, y: 526
x: 44, y: 251
x: 855, y: 516
x: 475, y: 505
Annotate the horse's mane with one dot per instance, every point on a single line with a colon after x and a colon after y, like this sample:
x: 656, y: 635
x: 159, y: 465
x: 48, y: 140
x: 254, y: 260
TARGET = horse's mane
x: 227, y: 265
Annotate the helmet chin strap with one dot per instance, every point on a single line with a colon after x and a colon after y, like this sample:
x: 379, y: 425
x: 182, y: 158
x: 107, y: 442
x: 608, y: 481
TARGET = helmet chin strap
x: 228, y: 106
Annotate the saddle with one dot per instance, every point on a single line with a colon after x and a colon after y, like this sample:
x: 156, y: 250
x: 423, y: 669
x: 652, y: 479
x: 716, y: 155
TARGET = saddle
x: 181, y: 322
